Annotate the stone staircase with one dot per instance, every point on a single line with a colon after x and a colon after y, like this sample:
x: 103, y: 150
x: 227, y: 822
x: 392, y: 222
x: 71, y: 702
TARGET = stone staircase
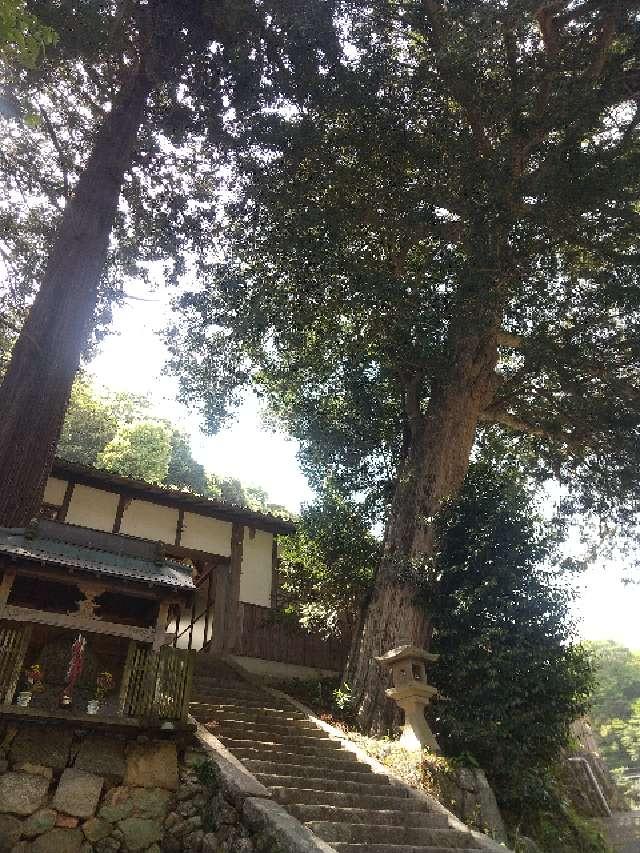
x: 319, y: 782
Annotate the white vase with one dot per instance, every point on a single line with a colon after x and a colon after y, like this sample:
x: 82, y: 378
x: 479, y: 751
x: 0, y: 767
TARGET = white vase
x: 24, y: 698
x: 93, y: 706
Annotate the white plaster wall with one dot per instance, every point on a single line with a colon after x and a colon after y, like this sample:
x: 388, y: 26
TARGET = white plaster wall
x: 93, y: 508
x: 54, y: 491
x: 206, y: 534
x: 150, y: 521
x: 255, y: 576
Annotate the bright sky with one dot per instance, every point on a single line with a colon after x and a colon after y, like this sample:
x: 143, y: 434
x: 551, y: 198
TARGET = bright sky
x: 132, y: 360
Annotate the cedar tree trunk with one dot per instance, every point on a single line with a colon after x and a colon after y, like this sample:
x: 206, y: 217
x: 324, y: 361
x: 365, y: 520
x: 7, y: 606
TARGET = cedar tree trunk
x: 35, y: 391
x: 433, y: 471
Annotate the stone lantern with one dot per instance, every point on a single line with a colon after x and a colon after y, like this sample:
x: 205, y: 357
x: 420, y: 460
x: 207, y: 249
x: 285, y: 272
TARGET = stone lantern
x: 412, y: 693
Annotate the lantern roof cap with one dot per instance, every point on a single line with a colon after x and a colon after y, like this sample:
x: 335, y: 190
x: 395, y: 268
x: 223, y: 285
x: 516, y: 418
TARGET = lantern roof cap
x: 404, y: 652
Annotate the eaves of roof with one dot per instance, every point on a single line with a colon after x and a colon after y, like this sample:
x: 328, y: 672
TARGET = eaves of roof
x: 98, y: 478
x: 168, y: 573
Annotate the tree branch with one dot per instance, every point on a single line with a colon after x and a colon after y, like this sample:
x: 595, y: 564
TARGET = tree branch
x: 437, y: 38
x: 502, y: 417
x: 604, y: 43
x: 61, y: 154
x: 506, y: 339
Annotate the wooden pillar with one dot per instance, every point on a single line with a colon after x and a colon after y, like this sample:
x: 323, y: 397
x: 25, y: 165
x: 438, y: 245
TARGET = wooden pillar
x: 161, y: 624
x: 207, y: 612
x: 275, y: 574
x: 232, y: 621
x: 5, y: 587
x: 219, y: 610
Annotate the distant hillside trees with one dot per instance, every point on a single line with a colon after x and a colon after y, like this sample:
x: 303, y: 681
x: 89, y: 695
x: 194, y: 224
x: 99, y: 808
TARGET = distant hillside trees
x: 118, y: 432
x: 616, y: 706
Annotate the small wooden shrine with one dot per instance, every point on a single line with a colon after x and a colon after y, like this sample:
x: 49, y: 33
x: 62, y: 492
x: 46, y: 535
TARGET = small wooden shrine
x: 84, y: 624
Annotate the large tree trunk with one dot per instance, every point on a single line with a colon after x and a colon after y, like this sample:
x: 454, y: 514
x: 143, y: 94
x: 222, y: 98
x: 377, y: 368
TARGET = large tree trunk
x: 35, y: 391
x: 433, y: 471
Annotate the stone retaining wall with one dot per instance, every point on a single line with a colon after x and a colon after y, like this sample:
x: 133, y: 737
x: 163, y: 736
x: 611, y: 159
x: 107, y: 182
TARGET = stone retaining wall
x: 66, y: 791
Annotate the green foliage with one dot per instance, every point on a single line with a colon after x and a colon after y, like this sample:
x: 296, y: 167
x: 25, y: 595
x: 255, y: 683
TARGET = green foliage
x: 208, y: 774
x: 327, y: 567
x: 141, y: 451
x: 184, y: 472
x: 616, y: 704
x: 23, y: 37
x: 208, y: 62
x: 342, y: 697
x: 557, y: 828
x: 117, y: 431
x: 429, y: 184
x: 90, y: 424
x: 513, y: 681
x: 231, y: 490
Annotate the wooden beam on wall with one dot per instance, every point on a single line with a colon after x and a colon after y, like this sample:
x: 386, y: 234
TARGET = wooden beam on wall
x: 179, y: 527
x: 64, y: 508
x: 76, y: 623
x: 127, y: 586
x: 123, y: 503
x: 180, y: 552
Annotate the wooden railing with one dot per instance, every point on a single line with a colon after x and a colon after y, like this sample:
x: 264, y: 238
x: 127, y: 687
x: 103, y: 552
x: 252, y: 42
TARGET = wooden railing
x: 202, y: 611
x: 156, y: 684
x: 263, y: 635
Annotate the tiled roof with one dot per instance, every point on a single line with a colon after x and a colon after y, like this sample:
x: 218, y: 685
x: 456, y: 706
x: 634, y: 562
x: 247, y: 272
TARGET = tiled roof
x: 32, y: 545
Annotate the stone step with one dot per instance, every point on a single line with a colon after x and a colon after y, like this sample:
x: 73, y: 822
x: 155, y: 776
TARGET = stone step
x: 211, y: 710
x: 332, y: 759
x: 229, y: 720
x: 395, y: 848
x: 224, y: 702
x: 353, y: 774
x: 370, y: 787
x: 233, y: 712
x: 285, y: 796
x: 227, y: 682
x: 240, y: 691
x: 267, y: 729
x: 361, y: 833
x: 380, y: 817
x: 299, y: 743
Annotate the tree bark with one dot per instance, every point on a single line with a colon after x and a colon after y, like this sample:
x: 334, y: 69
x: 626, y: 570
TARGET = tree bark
x: 36, y: 388
x: 437, y: 459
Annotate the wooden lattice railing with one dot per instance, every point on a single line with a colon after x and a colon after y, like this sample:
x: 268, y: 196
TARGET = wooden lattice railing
x: 156, y: 684
x: 14, y: 642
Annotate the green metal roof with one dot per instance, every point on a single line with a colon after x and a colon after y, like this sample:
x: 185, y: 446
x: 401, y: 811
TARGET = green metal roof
x: 35, y: 546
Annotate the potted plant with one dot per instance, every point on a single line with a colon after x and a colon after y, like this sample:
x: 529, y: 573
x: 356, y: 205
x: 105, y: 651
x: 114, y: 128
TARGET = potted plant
x: 104, y: 685
x: 34, y: 677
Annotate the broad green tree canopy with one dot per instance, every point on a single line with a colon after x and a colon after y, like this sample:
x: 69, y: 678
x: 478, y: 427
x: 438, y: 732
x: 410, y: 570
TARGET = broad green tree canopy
x: 478, y: 154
